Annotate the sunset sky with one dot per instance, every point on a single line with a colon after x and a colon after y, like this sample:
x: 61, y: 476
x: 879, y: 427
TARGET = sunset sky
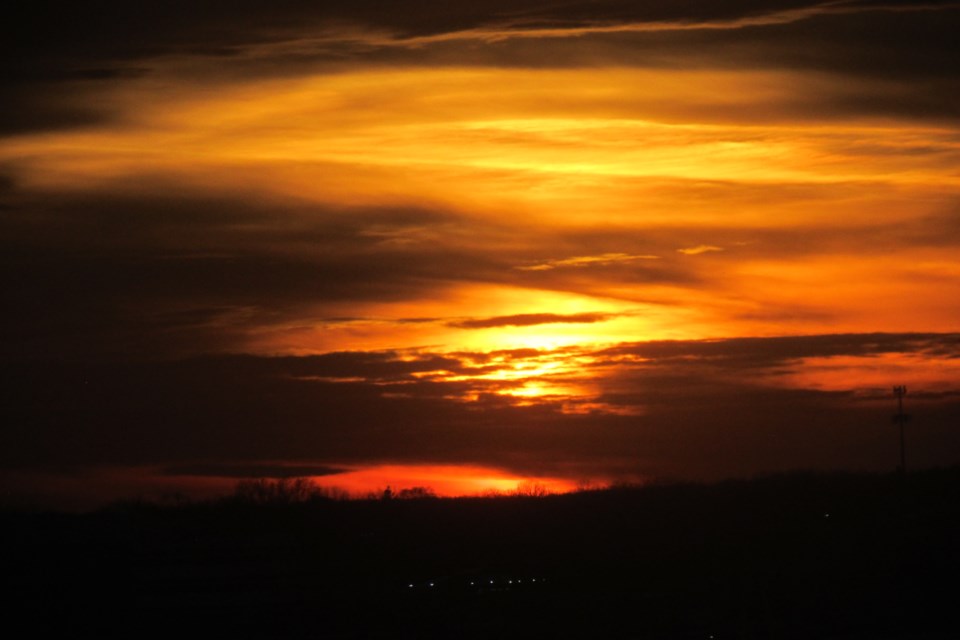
x: 468, y: 245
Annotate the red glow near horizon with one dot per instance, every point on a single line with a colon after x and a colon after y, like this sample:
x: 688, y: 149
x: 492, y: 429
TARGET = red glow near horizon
x: 447, y: 481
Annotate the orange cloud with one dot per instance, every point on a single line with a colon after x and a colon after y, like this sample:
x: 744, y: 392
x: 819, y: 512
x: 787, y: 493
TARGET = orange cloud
x: 697, y: 250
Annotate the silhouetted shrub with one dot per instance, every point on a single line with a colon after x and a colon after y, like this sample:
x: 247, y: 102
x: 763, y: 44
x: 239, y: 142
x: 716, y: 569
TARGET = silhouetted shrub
x: 413, y: 493
x: 531, y: 490
x: 278, y: 491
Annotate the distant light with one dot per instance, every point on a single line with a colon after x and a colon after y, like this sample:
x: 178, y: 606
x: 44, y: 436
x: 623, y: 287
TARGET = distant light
x: 471, y: 583
x: 534, y: 579
x: 826, y: 515
x: 410, y: 586
x: 491, y: 582
x: 431, y: 584
x: 511, y: 581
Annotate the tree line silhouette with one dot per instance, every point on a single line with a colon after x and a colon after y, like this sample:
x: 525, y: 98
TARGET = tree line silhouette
x: 301, y: 490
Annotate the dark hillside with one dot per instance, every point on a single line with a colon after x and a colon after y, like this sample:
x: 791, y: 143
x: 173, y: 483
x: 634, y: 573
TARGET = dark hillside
x: 791, y: 556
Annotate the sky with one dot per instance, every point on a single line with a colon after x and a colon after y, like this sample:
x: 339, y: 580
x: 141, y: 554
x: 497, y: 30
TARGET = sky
x: 471, y: 245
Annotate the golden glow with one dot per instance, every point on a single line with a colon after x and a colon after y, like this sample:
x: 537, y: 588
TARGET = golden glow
x: 547, y: 373
x: 379, y: 325
x: 521, y: 157
x: 558, y: 139
x: 844, y: 294
x: 614, y: 150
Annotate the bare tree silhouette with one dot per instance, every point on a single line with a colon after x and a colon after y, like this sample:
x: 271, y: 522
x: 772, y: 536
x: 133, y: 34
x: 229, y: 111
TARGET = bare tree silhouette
x: 278, y: 491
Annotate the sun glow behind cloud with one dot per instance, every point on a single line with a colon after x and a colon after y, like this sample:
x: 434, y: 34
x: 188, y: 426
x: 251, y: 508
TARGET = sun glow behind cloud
x: 434, y: 320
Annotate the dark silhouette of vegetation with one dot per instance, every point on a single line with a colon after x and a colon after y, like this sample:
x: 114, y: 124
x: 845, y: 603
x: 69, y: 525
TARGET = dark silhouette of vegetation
x: 283, y: 491
x: 416, y: 493
x: 532, y: 490
x: 786, y: 556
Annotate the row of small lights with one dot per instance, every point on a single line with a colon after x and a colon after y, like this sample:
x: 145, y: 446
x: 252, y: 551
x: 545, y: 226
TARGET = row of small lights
x: 473, y: 583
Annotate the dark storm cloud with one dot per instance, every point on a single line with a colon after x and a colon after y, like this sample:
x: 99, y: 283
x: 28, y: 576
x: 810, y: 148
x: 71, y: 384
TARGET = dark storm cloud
x: 250, y: 470
x: 371, y: 366
x: 111, y: 30
x: 213, y: 411
x: 234, y: 415
x: 182, y: 271
x: 742, y: 353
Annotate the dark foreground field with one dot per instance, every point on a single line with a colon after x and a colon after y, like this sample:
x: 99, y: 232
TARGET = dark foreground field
x: 794, y: 556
